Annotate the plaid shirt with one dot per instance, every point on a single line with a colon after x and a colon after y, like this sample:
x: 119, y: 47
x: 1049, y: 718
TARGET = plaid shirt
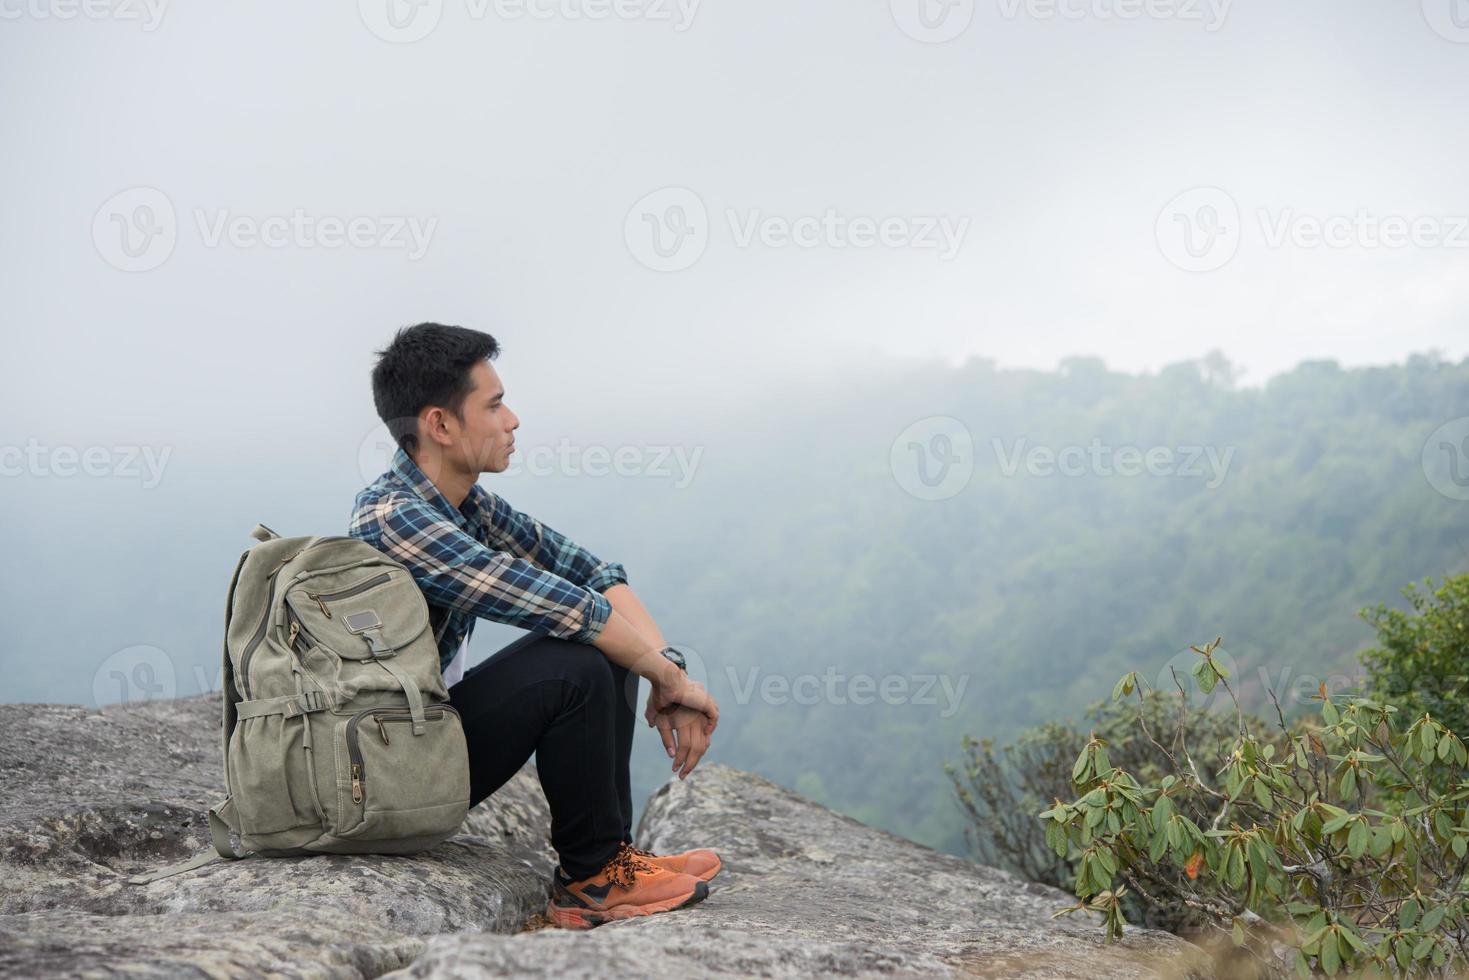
x: 483, y: 558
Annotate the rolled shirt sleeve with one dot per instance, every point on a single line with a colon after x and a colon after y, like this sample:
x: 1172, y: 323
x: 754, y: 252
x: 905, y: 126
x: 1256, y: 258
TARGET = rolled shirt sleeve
x: 548, y: 548
x: 456, y: 571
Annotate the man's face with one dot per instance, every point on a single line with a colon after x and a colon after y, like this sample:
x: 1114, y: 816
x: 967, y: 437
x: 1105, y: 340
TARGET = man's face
x: 486, y: 438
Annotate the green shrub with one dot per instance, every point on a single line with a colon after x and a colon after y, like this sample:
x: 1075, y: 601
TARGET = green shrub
x: 1000, y: 788
x: 1326, y: 842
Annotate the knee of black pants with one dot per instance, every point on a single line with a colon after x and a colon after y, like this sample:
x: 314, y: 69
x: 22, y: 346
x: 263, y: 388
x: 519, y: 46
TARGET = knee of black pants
x: 583, y: 666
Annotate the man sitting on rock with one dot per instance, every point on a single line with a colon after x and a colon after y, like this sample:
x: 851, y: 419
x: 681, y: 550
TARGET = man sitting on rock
x: 566, y: 691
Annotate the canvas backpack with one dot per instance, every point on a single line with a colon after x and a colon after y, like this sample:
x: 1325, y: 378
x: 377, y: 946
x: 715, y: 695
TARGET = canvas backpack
x: 338, y: 735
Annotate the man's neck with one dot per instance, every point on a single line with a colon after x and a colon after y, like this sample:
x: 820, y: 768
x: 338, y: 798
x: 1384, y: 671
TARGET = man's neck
x: 454, y: 484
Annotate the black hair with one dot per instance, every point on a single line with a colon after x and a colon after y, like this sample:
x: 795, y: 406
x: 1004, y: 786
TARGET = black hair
x: 426, y: 364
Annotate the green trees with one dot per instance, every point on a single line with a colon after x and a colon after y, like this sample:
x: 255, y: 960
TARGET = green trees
x: 1421, y: 661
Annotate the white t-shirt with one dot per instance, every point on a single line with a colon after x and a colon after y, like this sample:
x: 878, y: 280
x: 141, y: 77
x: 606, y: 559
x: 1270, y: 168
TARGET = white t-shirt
x: 455, y: 670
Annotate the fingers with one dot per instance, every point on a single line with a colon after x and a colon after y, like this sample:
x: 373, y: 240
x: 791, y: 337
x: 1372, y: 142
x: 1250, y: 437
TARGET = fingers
x: 665, y: 732
x: 711, y: 715
x: 696, y: 745
x: 685, y: 743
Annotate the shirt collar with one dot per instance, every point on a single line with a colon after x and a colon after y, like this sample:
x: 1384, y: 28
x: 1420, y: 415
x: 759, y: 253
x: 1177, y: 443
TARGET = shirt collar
x: 407, y: 470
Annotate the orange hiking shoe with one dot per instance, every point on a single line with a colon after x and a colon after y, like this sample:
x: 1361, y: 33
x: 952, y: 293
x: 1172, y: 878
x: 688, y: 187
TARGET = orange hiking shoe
x: 627, y: 886
x: 701, y: 862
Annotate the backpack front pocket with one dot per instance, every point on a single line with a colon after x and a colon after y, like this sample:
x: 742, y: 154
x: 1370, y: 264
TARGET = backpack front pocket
x: 338, y: 609
x: 401, y: 785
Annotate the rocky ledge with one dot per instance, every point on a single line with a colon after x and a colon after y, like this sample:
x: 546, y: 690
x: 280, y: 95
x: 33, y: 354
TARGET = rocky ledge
x: 89, y: 796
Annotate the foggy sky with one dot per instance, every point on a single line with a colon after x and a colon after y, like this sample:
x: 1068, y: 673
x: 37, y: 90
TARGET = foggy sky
x: 520, y: 148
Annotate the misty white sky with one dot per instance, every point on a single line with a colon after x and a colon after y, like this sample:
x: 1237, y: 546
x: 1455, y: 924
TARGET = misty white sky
x: 524, y: 144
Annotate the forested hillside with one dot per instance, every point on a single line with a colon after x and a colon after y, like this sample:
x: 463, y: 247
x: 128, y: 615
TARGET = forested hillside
x: 1034, y: 589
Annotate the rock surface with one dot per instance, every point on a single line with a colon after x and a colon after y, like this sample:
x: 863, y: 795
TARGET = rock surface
x: 89, y: 796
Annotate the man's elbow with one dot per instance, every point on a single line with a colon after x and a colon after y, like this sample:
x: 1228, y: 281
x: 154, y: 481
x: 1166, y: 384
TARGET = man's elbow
x: 607, y: 576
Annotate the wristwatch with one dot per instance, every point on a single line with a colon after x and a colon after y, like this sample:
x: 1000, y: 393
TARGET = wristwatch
x: 676, y: 658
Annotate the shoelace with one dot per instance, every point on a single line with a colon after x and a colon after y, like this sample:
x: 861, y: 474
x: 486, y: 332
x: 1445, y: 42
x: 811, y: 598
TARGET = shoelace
x: 625, y: 865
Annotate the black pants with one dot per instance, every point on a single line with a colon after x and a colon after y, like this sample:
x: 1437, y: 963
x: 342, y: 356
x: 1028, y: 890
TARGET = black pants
x: 572, y: 707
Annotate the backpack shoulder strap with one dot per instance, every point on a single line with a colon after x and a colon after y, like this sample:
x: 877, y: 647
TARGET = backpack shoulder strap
x: 221, y: 822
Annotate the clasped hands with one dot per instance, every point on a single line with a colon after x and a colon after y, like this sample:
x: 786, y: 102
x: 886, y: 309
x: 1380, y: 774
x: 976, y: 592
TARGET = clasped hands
x: 685, y: 715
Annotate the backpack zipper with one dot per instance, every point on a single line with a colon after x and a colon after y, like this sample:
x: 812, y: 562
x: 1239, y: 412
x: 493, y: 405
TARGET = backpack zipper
x: 265, y: 617
x: 298, y: 629
x: 321, y: 598
x: 259, y: 635
x: 354, y: 748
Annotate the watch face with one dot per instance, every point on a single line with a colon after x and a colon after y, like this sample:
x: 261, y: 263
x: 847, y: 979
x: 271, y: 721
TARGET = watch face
x: 675, y: 656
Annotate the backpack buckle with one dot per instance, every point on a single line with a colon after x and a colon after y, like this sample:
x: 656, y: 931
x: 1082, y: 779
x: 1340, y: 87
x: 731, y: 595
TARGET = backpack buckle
x: 305, y: 702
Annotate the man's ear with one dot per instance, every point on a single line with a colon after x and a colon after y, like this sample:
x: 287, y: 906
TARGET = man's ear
x: 432, y: 427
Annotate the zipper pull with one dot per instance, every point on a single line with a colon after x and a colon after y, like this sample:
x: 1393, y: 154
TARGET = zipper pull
x: 324, y: 610
x: 383, y: 729
x: 356, y: 783
x: 295, y: 632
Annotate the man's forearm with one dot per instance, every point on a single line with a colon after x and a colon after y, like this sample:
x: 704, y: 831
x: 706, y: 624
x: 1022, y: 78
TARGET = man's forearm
x: 626, y: 602
x: 626, y: 646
